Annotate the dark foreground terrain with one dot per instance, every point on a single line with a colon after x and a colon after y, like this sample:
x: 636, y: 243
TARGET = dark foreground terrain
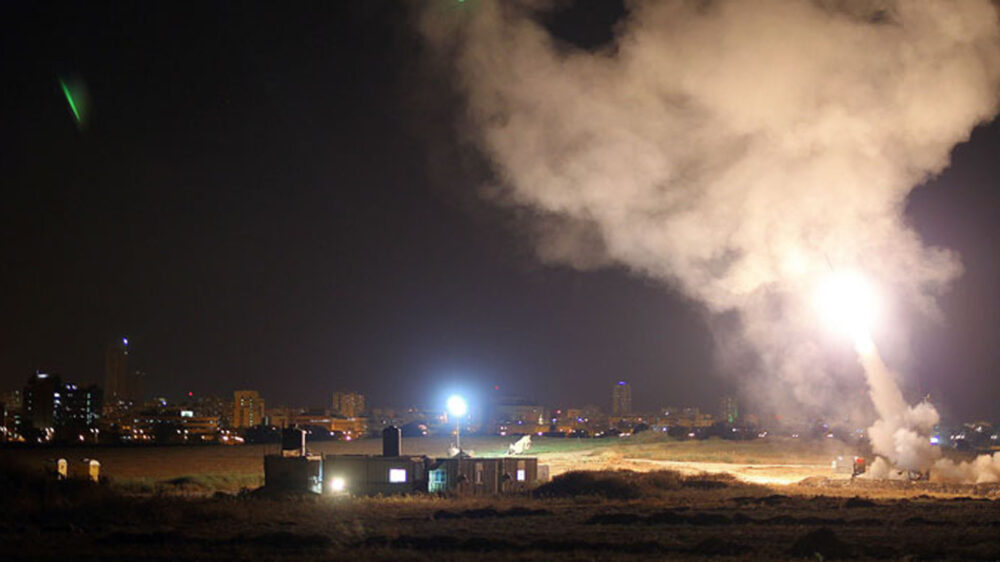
x: 593, y: 516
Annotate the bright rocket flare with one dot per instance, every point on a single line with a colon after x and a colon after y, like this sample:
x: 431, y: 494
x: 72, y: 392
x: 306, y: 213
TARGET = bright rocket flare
x: 848, y: 303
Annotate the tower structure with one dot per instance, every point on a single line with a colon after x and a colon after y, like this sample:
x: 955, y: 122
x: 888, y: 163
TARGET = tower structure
x: 116, y: 390
x: 621, y: 399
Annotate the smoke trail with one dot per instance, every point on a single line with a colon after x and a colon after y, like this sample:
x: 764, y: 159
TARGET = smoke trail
x: 734, y: 149
x: 902, y: 433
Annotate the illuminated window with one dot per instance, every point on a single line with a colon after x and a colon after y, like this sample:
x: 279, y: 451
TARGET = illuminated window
x: 521, y: 476
x: 397, y: 475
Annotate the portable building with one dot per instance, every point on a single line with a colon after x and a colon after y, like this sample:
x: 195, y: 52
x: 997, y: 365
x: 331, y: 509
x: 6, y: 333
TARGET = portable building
x: 467, y: 476
x: 471, y: 476
x: 371, y: 475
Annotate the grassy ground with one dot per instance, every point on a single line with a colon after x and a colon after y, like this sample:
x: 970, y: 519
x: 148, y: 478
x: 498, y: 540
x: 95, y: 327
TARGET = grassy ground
x: 205, y: 470
x: 758, y: 451
x: 210, y: 468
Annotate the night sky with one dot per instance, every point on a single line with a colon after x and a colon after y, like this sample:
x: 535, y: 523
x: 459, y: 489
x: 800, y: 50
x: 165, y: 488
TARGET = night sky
x: 275, y: 198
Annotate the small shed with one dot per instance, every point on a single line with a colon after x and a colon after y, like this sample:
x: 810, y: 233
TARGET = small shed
x: 371, y: 475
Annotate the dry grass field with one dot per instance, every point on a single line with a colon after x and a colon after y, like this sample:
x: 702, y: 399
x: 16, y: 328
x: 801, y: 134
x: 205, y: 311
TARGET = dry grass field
x: 177, y: 504
x: 212, y: 468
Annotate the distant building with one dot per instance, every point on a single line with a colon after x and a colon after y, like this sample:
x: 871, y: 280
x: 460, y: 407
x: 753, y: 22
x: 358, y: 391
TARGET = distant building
x: 80, y: 406
x: 516, y: 414
x: 51, y: 406
x: 351, y: 427
x: 214, y: 407
x: 672, y: 416
x: 41, y: 400
x: 621, y: 399
x: 248, y: 409
x: 115, y: 370
x: 348, y: 404
x: 165, y: 426
x: 729, y: 409
x: 13, y: 399
x: 122, y: 389
x: 10, y: 410
x: 281, y: 416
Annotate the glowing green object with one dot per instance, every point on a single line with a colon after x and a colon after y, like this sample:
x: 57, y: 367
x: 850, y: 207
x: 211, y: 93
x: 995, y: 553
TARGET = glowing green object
x: 69, y: 99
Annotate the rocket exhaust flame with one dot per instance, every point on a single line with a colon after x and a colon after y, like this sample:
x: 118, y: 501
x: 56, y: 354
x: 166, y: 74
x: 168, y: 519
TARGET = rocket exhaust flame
x: 847, y: 302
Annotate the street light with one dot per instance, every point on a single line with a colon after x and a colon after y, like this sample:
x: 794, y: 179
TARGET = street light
x: 457, y: 408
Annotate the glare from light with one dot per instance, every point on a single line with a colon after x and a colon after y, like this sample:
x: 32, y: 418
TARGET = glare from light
x: 847, y: 302
x: 337, y: 484
x: 457, y: 406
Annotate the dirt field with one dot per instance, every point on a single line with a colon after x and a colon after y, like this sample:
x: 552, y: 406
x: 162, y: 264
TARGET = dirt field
x: 231, y: 468
x: 610, y: 516
x: 170, y: 504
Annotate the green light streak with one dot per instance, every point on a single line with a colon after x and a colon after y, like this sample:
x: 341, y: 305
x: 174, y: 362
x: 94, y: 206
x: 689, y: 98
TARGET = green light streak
x: 69, y: 99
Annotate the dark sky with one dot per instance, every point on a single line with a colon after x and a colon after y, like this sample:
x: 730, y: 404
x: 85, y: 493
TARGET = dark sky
x: 272, y: 197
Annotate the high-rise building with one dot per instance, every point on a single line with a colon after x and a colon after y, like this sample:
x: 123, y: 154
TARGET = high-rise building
x: 348, y: 404
x: 118, y: 389
x: 621, y: 399
x: 41, y: 400
x: 80, y: 406
x: 729, y: 409
x: 134, y: 386
x: 48, y: 403
x: 248, y: 408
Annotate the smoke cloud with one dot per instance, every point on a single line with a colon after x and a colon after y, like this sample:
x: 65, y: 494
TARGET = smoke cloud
x: 902, y: 434
x: 736, y: 151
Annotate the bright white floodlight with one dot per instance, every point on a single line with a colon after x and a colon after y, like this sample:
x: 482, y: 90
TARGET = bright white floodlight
x: 457, y: 406
x: 847, y: 302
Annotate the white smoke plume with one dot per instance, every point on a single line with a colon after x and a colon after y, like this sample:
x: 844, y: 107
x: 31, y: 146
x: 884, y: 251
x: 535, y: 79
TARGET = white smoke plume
x: 735, y: 150
x: 985, y: 469
x: 902, y: 432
